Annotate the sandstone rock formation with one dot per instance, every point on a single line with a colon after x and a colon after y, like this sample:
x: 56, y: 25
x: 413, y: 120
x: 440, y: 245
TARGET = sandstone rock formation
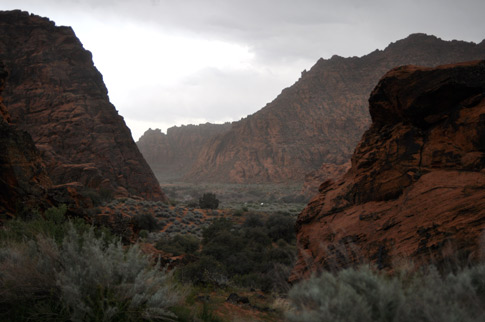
x: 327, y: 171
x: 172, y: 155
x: 416, y: 187
x: 317, y: 120
x: 23, y: 179
x: 56, y: 94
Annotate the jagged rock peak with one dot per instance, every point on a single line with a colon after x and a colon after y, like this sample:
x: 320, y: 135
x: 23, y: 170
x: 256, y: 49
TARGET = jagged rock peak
x: 57, y: 95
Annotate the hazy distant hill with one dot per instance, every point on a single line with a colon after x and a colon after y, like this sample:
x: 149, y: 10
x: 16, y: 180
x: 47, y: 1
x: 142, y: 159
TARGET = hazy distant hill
x: 171, y: 155
x: 318, y: 120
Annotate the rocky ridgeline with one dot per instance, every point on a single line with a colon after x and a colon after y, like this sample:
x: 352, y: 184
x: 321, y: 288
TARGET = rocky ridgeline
x: 317, y: 121
x: 173, y: 154
x: 415, y: 189
x: 55, y: 94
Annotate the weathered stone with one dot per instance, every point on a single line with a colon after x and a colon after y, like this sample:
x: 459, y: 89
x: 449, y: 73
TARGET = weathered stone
x: 55, y: 93
x: 23, y: 179
x: 415, y: 189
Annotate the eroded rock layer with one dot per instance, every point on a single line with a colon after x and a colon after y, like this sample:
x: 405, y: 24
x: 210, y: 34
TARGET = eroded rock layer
x: 56, y: 94
x: 317, y: 120
x: 416, y: 187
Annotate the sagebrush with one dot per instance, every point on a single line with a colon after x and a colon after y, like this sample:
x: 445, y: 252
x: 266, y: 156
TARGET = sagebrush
x: 367, y: 295
x: 82, y: 277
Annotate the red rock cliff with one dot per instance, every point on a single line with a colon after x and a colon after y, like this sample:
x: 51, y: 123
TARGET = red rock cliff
x: 171, y: 155
x: 317, y: 120
x: 57, y: 95
x: 416, y: 187
x: 23, y: 179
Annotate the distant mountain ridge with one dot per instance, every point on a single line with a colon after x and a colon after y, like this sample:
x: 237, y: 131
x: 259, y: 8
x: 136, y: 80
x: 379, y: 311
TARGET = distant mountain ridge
x: 172, y: 155
x: 316, y: 121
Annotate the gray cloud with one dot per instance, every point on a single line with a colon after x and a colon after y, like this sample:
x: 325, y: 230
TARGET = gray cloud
x: 285, y: 37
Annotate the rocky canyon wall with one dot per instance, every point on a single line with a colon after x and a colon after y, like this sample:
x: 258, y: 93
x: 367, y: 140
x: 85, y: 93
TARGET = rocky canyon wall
x: 55, y: 93
x: 416, y: 186
x: 319, y: 119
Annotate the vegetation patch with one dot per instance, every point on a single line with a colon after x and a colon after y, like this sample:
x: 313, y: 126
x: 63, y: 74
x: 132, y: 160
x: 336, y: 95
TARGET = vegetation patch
x: 61, y: 270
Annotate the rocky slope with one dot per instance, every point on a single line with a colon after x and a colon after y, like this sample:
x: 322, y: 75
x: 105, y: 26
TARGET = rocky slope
x: 317, y: 120
x: 23, y: 179
x: 56, y: 94
x: 416, y: 185
x: 172, y: 155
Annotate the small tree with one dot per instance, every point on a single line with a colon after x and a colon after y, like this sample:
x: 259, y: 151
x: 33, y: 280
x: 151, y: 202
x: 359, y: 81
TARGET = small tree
x: 208, y: 201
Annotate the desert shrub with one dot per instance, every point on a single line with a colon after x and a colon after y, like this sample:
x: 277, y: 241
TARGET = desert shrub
x: 205, y: 271
x: 143, y: 234
x: 217, y: 226
x: 253, y: 220
x: 53, y: 223
x: 246, y: 255
x: 103, y: 282
x: 179, y: 244
x: 208, y: 201
x: 366, y: 295
x: 84, y: 278
x: 192, y: 204
x: 281, y: 226
x: 145, y: 222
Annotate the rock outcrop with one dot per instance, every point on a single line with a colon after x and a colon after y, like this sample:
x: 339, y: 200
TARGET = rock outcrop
x: 327, y: 171
x: 173, y: 154
x: 56, y: 94
x: 416, y: 187
x: 317, y: 120
x: 23, y: 179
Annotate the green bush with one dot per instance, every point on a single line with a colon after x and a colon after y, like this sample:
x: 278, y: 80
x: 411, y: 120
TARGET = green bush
x: 366, y: 295
x: 179, y: 244
x: 84, y: 278
x: 253, y: 220
x: 53, y: 223
x: 208, y: 201
x: 192, y: 204
x: 145, y: 222
x: 281, y: 226
x: 246, y: 255
x: 217, y: 226
x: 205, y: 271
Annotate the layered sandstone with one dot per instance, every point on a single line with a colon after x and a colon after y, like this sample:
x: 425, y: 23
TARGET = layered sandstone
x: 57, y: 95
x: 317, y: 120
x: 173, y: 154
x: 416, y: 187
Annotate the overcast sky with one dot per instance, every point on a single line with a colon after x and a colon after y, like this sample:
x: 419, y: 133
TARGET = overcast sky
x: 173, y: 62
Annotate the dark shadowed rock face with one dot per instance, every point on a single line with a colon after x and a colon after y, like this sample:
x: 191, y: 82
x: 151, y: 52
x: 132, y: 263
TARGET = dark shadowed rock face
x: 56, y: 94
x: 173, y: 154
x: 416, y: 187
x: 317, y: 120
x: 23, y: 179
